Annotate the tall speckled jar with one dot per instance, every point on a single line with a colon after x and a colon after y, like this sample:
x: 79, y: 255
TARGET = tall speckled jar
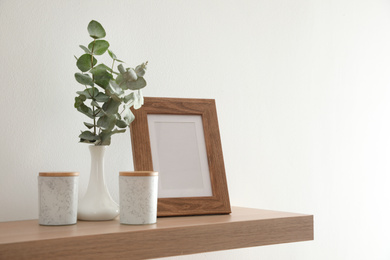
x: 138, y: 197
x: 58, y: 197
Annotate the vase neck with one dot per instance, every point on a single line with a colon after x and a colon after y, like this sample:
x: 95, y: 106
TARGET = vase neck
x: 97, y: 164
x: 97, y: 151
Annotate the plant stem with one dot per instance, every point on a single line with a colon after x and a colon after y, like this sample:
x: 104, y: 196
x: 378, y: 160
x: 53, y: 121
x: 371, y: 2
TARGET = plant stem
x: 93, y: 46
x: 112, y: 67
x: 93, y: 79
x: 124, y: 107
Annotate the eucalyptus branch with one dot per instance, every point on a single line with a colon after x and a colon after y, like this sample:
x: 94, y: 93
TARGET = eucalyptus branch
x: 116, y: 90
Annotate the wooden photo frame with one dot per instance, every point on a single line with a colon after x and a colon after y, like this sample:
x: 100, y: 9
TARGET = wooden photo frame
x: 176, y: 136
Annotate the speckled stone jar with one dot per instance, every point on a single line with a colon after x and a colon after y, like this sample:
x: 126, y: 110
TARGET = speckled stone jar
x: 138, y: 197
x: 58, y: 195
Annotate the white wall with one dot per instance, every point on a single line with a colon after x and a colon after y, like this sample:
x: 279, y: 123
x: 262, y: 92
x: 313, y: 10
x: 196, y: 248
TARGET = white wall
x: 302, y: 91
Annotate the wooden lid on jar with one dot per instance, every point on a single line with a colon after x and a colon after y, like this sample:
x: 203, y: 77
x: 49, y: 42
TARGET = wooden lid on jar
x: 139, y: 173
x: 58, y: 174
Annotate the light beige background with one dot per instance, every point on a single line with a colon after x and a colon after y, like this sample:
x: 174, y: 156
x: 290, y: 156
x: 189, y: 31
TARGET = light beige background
x: 302, y: 90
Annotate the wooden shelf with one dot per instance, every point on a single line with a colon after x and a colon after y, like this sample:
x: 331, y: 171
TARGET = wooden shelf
x: 171, y: 236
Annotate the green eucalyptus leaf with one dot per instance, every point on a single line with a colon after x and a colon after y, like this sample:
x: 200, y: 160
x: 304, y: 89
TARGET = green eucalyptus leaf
x: 84, y: 62
x: 89, y: 92
x: 105, y: 137
x: 128, y: 116
x: 83, y: 98
x: 111, y: 106
x: 98, y: 47
x: 121, y: 69
x: 130, y: 75
x: 101, y: 76
x: 121, y: 124
x: 78, y: 101
x: 108, y: 69
x: 85, y: 110
x: 88, y: 142
x: 89, y: 125
x: 99, y: 113
x: 135, y: 85
x: 112, y: 55
x: 101, y: 97
x: 84, y: 79
x: 96, y: 30
x: 141, y: 69
x: 95, y: 104
x: 114, y: 96
x: 106, y: 123
x: 102, y: 67
x: 138, y: 99
x: 114, y: 89
x: 87, y: 135
x: 129, y: 99
x: 85, y: 49
x: 119, y: 80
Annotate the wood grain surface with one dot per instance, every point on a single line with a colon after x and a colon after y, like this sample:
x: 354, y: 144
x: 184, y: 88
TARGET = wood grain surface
x: 169, y: 237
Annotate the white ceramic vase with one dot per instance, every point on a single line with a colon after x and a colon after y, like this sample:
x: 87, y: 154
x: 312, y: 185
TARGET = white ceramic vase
x: 97, y: 203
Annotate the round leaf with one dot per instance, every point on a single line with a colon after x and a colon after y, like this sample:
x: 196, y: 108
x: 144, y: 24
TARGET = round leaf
x: 84, y: 79
x: 135, y: 85
x: 89, y: 92
x: 111, y: 106
x: 106, y: 123
x: 85, y: 110
x: 87, y: 135
x: 105, y: 136
x: 101, y: 75
x: 130, y: 75
x: 114, y: 89
x: 141, y: 69
x: 84, y: 62
x: 121, y: 124
x: 128, y: 116
x: 121, y: 69
x: 98, y: 47
x: 101, y: 97
x: 96, y: 30
x: 78, y: 101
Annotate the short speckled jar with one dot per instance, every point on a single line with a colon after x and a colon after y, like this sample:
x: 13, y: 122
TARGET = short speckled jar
x: 138, y: 197
x: 58, y: 196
